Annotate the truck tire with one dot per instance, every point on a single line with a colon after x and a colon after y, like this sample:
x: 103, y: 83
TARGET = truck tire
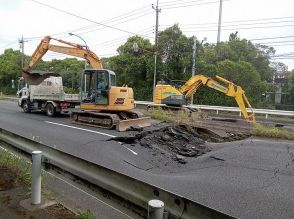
x: 26, y: 106
x: 50, y: 110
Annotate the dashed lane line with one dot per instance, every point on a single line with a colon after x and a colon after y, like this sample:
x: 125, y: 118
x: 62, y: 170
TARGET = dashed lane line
x: 89, y: 130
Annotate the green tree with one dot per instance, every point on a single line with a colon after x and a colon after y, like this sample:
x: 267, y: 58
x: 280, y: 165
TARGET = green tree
x: 10, y: 69
x: 135, y: 69
x: 175, y: 52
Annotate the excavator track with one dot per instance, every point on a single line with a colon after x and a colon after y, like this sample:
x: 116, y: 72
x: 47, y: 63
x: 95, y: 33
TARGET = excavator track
x: 121, y: 120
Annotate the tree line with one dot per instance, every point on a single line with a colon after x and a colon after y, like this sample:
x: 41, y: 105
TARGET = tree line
x: 238, y: 60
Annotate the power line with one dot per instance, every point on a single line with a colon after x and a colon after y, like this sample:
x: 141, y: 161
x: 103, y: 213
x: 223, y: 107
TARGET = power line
x: 284, y: 58
x: 240, y: 28
x: 171, y: 3
x: 111, y: 20
x: 121, y: 39
x: 271, y: 38
x: 239, y: 21
x: 86, y: 19
x: 282, y: 45
x: 116, y: 23
x: 8, y: 44
x: 288, y: 41
x: 233, y: 25
x: 288, y: 53
x: 189, y: 5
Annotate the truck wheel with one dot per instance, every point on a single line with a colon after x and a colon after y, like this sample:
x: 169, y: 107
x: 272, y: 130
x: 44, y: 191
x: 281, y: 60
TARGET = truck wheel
x: 50, y: 110
x: 26, y: 106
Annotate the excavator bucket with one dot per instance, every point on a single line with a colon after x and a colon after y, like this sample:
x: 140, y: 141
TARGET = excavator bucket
x: 36, y: 77
x: 123, y: 125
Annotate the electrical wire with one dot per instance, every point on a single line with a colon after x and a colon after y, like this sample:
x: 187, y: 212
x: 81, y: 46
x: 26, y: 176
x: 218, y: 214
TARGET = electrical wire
x: 142, y: 15
x: 288, y: 41
x: 111, y: 20
x: 84, y: 18
x: 190, y: 5
x: 121, y: 39
x: 172, y: 3
x: 233, y: 25
x: 240, y: 28
x: 8, y: 44
x: 271, y: 38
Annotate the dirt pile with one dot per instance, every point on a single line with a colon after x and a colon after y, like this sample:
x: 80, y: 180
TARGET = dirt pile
x: 174, y: 140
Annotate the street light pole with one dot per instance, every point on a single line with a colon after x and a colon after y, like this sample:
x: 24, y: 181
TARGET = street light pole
x: 72, y: 34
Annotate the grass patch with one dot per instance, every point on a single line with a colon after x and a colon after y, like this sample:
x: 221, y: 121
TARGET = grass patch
x: 178, y: 117
x: 86, y: 215
x: 18, y: 165
x: 271, y: 132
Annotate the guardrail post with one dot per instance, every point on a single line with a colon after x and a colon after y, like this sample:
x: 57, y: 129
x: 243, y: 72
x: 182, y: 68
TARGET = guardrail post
x: 266, y: 116
x: 36, y: 177
x: 240, y: 114
x: 155, y: 209
x: 216, y: 112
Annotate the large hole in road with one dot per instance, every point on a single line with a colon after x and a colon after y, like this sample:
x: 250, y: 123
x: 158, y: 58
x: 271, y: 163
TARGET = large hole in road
x: 179, y: 140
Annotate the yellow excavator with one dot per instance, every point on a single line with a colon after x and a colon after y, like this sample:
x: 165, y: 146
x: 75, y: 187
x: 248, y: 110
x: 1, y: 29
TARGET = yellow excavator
x: 176, y: 95
x: 103, y: 104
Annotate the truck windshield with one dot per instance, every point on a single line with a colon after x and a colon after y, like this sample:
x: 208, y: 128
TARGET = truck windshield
x: 21, y: 84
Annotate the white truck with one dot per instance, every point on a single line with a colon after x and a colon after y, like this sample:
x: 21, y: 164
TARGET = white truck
x: 48, y: 97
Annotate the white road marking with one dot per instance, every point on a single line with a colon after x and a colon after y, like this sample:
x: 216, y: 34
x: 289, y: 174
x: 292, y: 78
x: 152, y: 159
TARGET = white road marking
x: 134, y: 152
x: 88, y: 130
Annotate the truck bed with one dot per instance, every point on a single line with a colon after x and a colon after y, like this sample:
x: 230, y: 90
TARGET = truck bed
x: 56, y: 97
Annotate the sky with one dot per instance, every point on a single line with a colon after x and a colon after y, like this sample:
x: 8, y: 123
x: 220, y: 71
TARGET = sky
x: 105, y: 25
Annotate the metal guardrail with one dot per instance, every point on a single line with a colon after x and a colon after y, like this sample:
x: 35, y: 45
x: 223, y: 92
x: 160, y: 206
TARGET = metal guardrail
x: 131, y: 189
x: 265, y: 112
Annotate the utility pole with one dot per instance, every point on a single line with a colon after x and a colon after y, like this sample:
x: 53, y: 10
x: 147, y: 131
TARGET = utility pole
x: 21, y: 47
x: 193, y: 66
x: 219, y: 20
x: 157, y: 10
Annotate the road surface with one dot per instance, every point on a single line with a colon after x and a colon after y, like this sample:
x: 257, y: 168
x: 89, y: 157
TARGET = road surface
x: 252, y: 178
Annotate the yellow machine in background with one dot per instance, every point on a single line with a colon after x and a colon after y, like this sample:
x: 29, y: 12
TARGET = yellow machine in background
x: 172, y: 96
x: 103, y: 104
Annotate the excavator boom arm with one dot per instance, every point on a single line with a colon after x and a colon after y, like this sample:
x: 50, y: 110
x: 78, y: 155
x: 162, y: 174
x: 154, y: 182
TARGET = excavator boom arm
x: 78, y: 52
x: 229, y: 89
x: 72, y: 49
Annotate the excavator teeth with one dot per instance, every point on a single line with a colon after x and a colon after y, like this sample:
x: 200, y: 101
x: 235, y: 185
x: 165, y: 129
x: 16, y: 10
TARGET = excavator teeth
x: 123, y: 125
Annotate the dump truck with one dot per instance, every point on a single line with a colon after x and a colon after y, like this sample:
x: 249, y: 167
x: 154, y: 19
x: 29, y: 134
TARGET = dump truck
x: 49, y: 97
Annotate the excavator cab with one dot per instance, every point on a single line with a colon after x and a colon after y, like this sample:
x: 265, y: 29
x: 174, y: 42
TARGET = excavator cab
x: 96, y: 85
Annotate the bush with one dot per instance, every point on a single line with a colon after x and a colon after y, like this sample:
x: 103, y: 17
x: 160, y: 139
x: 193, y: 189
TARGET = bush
x: 271, y: 132
x: 8, y: 90
x: 70, y: 90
